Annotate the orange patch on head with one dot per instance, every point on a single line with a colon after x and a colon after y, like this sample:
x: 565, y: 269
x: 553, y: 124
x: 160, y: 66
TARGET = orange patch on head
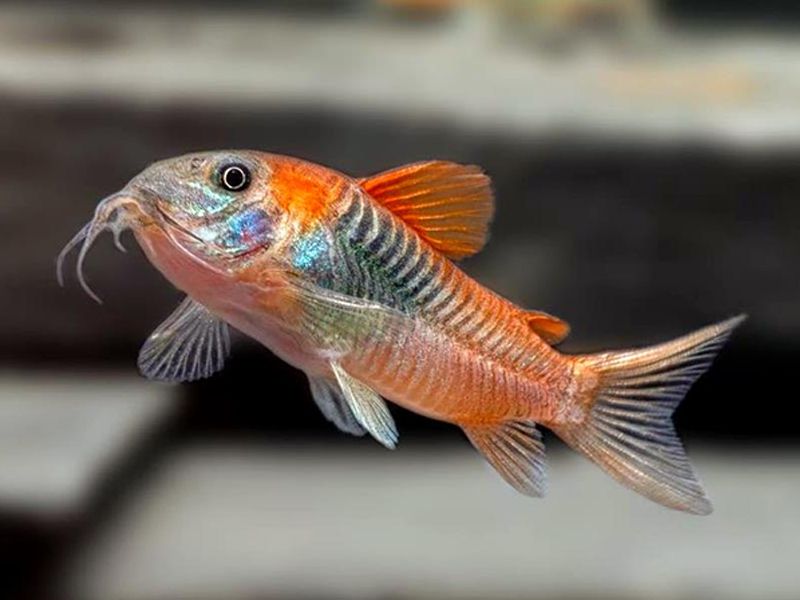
x: 303, y: 189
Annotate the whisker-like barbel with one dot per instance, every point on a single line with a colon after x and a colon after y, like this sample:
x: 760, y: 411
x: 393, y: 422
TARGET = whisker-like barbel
x: 62, y: 256
x: 110, y: 214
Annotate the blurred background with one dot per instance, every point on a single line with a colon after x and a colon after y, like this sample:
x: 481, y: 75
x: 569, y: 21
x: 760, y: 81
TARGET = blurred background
x: 645, y: 158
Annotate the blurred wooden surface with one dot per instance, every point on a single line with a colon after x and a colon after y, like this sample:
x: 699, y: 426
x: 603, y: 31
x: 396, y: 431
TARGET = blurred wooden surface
x: 266, y: 521
x: 60, y: 438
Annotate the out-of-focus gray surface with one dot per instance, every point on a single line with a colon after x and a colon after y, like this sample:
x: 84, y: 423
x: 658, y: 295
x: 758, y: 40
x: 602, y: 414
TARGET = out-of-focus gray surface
x: 59, y: 436
x: 739, y: 89
x: 261, y: 521
x: 742, y: 89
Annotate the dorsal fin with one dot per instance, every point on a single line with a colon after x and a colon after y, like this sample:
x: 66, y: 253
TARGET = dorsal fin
x: 551, y: 329
x: 447, y: 204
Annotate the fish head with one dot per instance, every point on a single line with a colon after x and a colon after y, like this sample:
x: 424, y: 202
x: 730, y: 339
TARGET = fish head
x: 214, y: 204
x: 211, y: 210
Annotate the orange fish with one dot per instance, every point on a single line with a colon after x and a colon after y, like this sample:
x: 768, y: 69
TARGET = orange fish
x: 353, y: 281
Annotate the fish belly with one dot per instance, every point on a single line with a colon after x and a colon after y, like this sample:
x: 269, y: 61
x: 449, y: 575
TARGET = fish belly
x: 238, y: 304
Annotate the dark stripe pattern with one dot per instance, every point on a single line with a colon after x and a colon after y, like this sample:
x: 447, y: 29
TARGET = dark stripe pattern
x: 378, y: 258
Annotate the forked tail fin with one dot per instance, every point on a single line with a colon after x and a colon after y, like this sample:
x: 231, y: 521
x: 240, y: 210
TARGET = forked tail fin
x: 629, y: 430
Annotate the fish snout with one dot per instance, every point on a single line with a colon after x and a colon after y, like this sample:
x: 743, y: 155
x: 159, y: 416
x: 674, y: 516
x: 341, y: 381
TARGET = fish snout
x: 123, y: 210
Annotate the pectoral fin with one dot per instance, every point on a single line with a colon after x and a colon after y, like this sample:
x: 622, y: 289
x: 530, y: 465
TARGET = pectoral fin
x: 515, y: 450
x: 368, y: 407
x: 334, y: 406
x: 190, y: 344
x: 337, y: 323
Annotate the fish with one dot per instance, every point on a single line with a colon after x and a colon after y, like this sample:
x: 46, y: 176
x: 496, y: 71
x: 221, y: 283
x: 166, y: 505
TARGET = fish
x: 355, y: 282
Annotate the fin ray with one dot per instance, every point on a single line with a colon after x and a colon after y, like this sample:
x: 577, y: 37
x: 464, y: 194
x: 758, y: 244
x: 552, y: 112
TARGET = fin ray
x: 447, y: 204
x: 338, y: 323
x: 551, y: 329
x: 515, y: 450
x: 190, y: 344
x: 368, y: 407
x: 333, y: 405
x: 629, y: 431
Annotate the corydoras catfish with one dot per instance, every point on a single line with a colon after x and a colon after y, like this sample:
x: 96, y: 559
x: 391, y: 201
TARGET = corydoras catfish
x: 354, y: 281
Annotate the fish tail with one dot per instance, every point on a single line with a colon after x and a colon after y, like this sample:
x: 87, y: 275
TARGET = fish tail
x: 628, y: 431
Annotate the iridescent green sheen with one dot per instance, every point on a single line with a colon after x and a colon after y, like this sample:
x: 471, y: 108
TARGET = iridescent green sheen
x: 311, y: 251
x: 208, y: 201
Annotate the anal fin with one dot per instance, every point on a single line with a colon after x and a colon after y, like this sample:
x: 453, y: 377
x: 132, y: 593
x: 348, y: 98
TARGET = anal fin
x: 515, y: 450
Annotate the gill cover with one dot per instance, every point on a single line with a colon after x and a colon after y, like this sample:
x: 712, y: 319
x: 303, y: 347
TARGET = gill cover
x: 221, y: 200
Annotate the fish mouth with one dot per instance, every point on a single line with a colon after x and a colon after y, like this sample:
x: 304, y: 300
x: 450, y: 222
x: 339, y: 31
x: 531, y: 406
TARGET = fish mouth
x: 112, y: 214
x: 170, y: 225
x: 124, y: 210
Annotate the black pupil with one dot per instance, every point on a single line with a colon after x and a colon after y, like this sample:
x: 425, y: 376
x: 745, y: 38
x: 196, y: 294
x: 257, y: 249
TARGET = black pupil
x: 235, y: 178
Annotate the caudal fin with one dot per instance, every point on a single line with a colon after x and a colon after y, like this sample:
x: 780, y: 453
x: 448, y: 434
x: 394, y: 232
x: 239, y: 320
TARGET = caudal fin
x: 629, y: 430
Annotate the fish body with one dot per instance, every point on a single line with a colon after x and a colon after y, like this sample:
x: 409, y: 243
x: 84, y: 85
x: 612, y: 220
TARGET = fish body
x: 472, y: 357
x: 354, y: 282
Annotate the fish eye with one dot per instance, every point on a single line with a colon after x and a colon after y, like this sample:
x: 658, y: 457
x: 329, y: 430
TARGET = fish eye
x: 234, y: 178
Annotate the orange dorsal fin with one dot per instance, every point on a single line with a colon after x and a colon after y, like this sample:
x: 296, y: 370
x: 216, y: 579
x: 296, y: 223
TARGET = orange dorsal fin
x: 551, y: 329
x: 447, y: 204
